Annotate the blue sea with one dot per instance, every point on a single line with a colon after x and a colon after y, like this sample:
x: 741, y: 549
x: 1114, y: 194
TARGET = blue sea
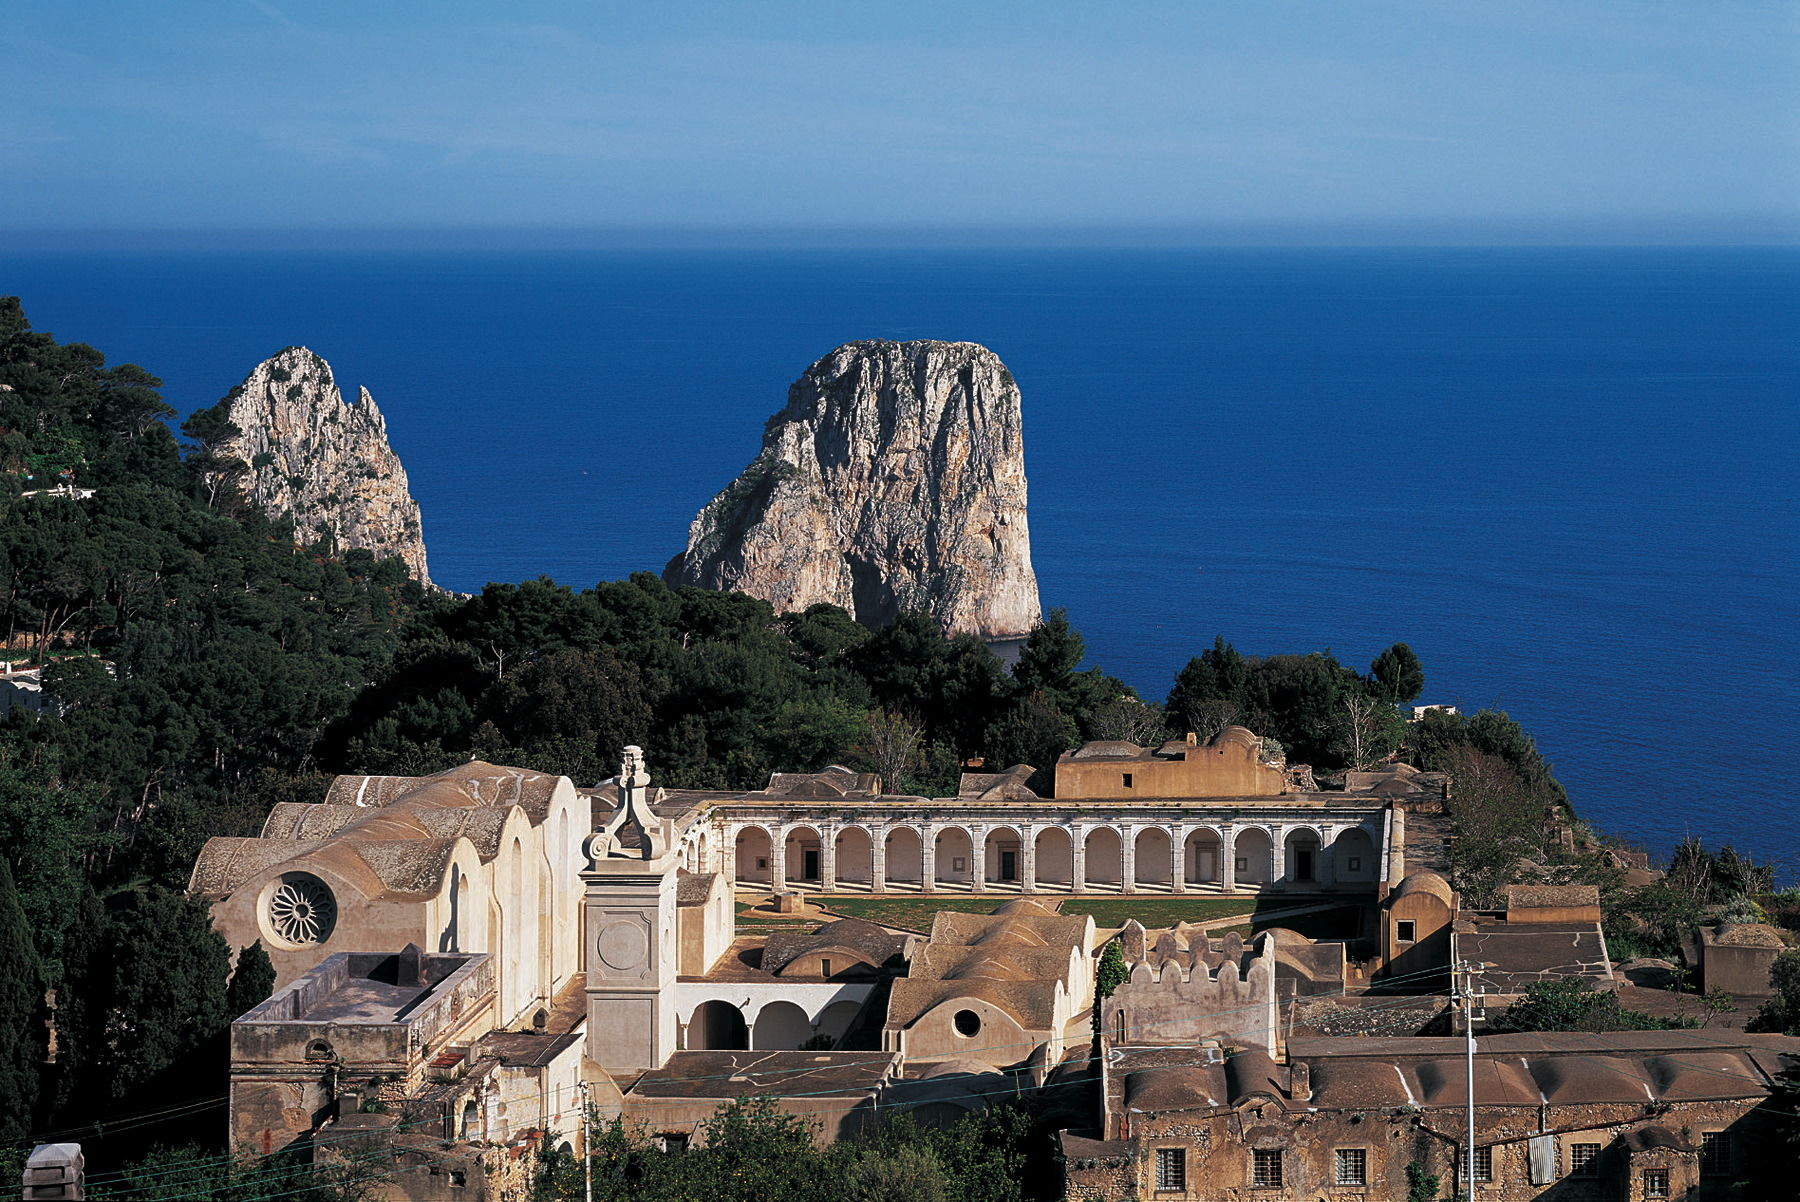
x: 1567, y: 477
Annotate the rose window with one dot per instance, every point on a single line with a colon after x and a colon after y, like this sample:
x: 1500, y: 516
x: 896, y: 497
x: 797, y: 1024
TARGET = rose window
x: 302, y: 910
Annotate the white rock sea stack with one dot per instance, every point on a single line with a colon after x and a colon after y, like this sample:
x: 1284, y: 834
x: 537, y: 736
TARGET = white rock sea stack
x: 893, y: 480
x: 326, y: 464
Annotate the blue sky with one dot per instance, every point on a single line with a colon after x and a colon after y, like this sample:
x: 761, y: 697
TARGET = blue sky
x: 1578, y: 120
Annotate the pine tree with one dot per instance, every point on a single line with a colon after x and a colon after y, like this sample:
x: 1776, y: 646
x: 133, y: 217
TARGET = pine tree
x: 21, y: 1015
x: 252, y: 982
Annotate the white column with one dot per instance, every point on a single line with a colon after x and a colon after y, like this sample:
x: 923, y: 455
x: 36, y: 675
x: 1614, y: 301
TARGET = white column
x: 1077, y: 860
x: 1326, y: 868
x: 878, y: 860
x: 778, y: 859
x: 827, y: 859
x: 1228, y: 859
x: 1178, y: 859
x: 1128, y: 859
x: 978, y: 860
x: 728, y: 857
x: 1027, y: 858
x: 928, y: 859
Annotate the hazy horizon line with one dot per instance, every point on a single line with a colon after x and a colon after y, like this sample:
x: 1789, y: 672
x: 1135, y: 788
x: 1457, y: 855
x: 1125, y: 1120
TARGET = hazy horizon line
x: 1562, y: 232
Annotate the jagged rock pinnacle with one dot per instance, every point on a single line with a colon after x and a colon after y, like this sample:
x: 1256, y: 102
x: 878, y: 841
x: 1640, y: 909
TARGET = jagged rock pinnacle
x: 322, y: 462
x: 894, y: 479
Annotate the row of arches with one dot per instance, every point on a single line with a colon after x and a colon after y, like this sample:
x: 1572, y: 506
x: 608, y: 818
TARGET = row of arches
x: 1048, y: 857
x: 718, y: 1026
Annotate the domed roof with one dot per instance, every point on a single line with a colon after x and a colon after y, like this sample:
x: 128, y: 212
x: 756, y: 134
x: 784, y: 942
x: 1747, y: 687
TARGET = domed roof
x: 1108, y: 749
x: 1427, y: 882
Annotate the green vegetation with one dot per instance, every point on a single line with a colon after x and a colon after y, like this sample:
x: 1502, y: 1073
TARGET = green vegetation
x: 1781, y: 1013
x: 907, y: 913
x: 1573, y: 1004
x: 751, y: 1152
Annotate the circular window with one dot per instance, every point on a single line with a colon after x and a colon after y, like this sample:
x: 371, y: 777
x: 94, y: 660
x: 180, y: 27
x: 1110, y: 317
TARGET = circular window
x: 301, y: 910
x: 967, y: 1022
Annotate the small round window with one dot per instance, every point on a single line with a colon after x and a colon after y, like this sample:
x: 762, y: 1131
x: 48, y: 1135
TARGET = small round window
x: 967, y: 1022
x: 301, y: 910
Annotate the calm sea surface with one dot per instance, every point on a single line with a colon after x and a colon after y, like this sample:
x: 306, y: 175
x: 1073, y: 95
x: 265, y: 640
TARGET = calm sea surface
x: 1566, y: 477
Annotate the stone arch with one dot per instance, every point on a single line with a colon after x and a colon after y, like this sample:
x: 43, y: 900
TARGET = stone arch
x: 1353, y: 857
x: 1254, y: 850
x: 521, y: 931
x: 853, y: 848
x: 954, y: 846
x: 1003, y: 857
x: 1300, y: 855
x: 835, y: 1020
x: 905, y: 856
x: 755, y: 855
x: 1105, y: 858
x: 1151, y: 857
x: 1200, y: 855
x: 702, y: 849
x: 561, y: 856
x: 805, y: 859
x: 781, y: 1027
x: 717, y: 1026
x: 1055, y: 857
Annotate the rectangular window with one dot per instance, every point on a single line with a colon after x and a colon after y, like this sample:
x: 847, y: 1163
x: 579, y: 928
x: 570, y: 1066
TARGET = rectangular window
x: 673, y: 1142
x: 959, y: 864
x: 1584, y: 1159
x: 1171, y: 1168
x: 1352, y: 1166
x: 1355, y: 863
x: 762, y: 861
x: 1484, y: 1164
x: 824, y: 967
x: 1404, y: 931
x: 1241, y: 863
x: 1656, y: 1183
x: 1265, y: 1170
x: 1127, y: 776
x: 1715, y: 1153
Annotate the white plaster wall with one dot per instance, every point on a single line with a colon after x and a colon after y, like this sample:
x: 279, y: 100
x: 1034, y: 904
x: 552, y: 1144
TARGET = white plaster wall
x: 904, y: 856
x: 1055, y: 856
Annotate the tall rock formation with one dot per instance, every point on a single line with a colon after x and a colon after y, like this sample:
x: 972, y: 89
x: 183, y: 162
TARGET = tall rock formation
x: 326, y: 464
x: 894, y: 479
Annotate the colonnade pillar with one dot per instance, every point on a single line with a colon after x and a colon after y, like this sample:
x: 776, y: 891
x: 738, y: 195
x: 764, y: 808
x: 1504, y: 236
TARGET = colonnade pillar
x: 827, y: 860
x: 1077, y: 860
x: 1327, y: 862
x: 928, y: 861
x: 1228, y: 860
x: 878, y: 861
x: 1027, y: 859
x: 1178, y: 861
x: 778, y: 859
x: 978, y: 862
x: 1127, y: 860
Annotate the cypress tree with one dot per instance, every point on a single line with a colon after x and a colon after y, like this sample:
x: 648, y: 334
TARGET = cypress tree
x: 252, y: 982
x: 21, y: 1015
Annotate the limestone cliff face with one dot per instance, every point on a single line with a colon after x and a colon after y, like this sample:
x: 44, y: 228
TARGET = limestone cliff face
x: 326, y: 464
x: 894, y: 479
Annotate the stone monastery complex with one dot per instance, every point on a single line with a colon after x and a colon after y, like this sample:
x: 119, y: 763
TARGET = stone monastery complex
x: 466, y: 960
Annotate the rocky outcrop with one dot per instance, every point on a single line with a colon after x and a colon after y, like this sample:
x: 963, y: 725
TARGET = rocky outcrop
x: 893, y: 480
x: 322, y: 462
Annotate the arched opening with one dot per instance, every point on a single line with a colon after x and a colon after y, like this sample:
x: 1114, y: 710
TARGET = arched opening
x: 1104, y: 862
x: 1353, y: 858
x: 469, y: 1127
x: 955, y: 857
x: 1301, y: 856
x: 753, y: 854
x: 1253, y: 853
x: 855, y: 857
x: 717, y: 1027
x: 1151, y: 859
x: 545, y: 978
x: 968, y: 1023
x: 1005, y: 858
x: 905, y: 861
x: 781, y: 1027
x: 836, y: 1019
x: 805, y: 859
x: 562, y: 856
x: 1055, y: 858
x: 702, y: 858
x: 1202, y: 857
x: 521, y: 932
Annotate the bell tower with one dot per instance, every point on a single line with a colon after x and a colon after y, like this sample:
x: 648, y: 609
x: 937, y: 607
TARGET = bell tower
x: 628, y: 923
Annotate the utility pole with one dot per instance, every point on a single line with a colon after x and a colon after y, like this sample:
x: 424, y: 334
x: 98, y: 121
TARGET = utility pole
x: 1464, y: 990
x: 587, y: 1144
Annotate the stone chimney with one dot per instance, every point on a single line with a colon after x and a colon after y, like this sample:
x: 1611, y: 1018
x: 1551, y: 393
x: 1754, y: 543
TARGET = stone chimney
x: 1300, y: 1081
x: 55, y: 1171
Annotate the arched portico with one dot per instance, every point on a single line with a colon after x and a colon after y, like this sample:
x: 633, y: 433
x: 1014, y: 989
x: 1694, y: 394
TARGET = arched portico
x: 954, y: 859
x: 1151, y: 862
x: 805, y: 856
x: 1353, y: 858
x: 1055, y: 858
x: 754, y: 855
x: 854, y: 858
x: 1105, y: 860
x: 1300, y: 856
x: 1005, y: 858
x: 717, y: 1026
x: 781, y: 1027
x: 905, y: 859
x: 1254, y: 855
x: 1201, y: 857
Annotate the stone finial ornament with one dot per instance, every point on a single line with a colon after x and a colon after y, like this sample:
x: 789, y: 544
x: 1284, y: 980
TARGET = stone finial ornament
x: 633, y: 832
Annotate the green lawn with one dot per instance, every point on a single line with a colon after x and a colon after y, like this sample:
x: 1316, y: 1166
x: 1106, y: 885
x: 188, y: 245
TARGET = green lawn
x: 1159, y: 911
x: 907, y: 913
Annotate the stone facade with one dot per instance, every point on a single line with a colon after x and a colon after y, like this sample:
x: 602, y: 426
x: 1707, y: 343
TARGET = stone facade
x: 1231, y: 765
